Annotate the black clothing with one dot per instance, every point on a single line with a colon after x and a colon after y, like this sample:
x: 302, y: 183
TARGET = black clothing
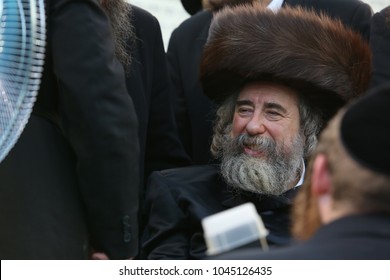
x: 182, y: 197
x: 73, y: 175
x: 380, y: 46
x: 149, y: 86
x: 358, y: 237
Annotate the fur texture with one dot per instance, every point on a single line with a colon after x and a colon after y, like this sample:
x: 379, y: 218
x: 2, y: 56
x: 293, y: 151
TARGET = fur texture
x: 312, y: 53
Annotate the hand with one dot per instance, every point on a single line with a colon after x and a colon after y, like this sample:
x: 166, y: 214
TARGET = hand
x: 99, y: 256
x: 102, y: 256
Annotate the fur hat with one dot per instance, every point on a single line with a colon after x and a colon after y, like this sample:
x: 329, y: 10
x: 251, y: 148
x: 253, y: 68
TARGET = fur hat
x: 313, y: 54
x: 365, y: 130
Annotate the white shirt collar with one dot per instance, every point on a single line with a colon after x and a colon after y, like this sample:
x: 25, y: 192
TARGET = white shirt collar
x: 275, y: 5
x: 302, y: 175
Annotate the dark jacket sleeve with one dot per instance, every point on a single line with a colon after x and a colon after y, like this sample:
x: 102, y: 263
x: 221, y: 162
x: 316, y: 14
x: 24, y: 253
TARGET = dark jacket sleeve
x: 98, y: 118
x: 166, y: 235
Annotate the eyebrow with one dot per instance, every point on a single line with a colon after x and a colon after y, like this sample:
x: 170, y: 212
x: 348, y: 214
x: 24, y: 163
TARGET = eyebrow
x: 244, y: 102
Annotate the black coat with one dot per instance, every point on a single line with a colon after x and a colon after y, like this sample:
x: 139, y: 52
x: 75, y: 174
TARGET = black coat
x: 73, y: 177
x: 180, y: 198
x: 149, y: 86
x: 380, y: 46
x: 359, y: 237
x: 194, y: 111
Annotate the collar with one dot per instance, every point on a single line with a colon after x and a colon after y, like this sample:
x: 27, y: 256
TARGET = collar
x: 302, y: 174
x: 275, y: 5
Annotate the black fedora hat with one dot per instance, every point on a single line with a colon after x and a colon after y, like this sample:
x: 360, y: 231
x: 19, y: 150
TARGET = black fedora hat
x: 365, y: 130
x: 192, y: 6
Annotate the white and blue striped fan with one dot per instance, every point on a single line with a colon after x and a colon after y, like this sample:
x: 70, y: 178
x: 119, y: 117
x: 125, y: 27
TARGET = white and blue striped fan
x: 22, y: 49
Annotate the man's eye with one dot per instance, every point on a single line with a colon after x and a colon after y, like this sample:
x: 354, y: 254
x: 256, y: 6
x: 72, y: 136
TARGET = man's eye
x: 274, y: 114
x: 244, y: 110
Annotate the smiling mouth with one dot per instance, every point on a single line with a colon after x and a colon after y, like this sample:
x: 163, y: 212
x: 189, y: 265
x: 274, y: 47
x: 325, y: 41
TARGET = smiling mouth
x: 253, y: 151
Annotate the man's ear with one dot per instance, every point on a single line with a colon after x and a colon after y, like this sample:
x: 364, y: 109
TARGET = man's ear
x: 320, y: 178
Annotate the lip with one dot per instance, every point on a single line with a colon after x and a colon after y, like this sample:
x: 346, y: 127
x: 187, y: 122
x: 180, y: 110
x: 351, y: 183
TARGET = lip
x: 253, y: 153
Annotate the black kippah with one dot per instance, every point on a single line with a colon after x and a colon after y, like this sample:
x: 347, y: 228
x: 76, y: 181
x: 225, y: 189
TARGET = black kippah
x: 365, y: 130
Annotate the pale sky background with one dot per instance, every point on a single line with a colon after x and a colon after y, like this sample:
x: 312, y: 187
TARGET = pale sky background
x: 171, y: 13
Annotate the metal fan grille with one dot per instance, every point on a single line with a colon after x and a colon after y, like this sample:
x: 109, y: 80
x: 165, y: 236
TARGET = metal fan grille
x: 22, y: 48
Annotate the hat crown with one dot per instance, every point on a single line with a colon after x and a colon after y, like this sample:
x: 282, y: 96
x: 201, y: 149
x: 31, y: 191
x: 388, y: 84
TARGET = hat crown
x: 293, y: 46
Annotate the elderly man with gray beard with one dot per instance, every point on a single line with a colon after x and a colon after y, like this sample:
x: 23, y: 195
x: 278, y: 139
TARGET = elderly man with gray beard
x: 277, y: 78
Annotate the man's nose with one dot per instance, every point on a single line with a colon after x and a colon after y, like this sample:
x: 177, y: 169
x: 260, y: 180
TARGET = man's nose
x: 256, y: 125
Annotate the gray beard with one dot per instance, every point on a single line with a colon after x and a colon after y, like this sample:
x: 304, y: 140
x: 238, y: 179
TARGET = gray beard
x: 120, y: 15
x: 270, y: 175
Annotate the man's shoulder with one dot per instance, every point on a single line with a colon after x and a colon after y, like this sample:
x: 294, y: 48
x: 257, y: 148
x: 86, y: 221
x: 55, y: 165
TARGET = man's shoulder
x: 201, y: 172
x: 332, y: 7
x: 195, y: 184
x: 144, y: 20
x: 189, y: 175
x: 195, y: 23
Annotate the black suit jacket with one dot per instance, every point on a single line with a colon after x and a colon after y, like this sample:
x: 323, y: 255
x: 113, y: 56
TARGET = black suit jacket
x: 194, y: 111
x: 180, y: 198
x: 149, y: 86
x: 73, y: 175
x: 359, y: 237
x: 380, y: 46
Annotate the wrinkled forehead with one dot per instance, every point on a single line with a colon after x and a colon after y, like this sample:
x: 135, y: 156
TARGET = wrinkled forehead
x: 260, y: 92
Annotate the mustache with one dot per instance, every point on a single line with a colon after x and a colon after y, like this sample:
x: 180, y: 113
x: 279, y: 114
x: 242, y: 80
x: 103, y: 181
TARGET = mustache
x: 257, y: 143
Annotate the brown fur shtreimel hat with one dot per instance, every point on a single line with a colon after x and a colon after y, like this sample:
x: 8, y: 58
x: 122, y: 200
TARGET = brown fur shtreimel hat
x: 311, y: 53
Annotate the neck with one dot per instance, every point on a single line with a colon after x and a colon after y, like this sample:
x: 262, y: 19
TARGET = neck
x: 330, y: 210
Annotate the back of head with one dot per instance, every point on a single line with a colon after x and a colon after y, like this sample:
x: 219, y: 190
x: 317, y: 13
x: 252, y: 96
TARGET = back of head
x: 355, y: 144
x: 365, y: 135
x: 354, y: 183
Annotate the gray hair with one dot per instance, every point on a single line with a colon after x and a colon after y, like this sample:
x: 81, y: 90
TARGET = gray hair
x: 311, y: 123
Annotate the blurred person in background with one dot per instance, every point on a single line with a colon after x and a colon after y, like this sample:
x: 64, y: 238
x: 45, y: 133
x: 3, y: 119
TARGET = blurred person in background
x: 194, y: 6
x: 69, y: 187
x: 380, y: 46
x: 140, y: 49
